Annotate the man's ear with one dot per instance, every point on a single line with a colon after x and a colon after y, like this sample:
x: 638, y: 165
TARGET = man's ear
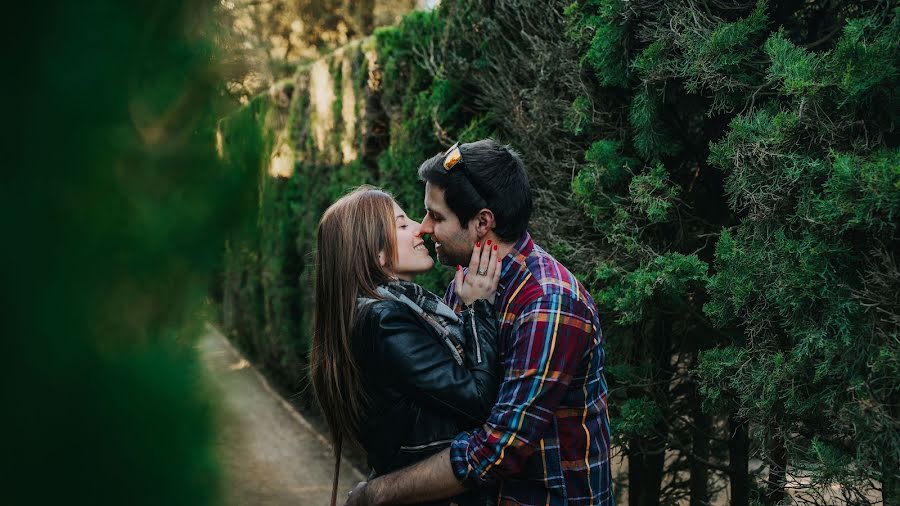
x: 483, y: 222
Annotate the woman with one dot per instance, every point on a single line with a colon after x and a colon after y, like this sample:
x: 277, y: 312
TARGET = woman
x: 393, y: 368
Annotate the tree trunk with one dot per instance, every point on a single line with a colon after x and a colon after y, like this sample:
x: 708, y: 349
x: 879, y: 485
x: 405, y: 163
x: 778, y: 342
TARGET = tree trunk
x: 654, y: 466
x: 890, y: 467
x: 655, y: 451
x: 635, y: 473
x: 700, y: 448
x: 775, y: 484
x: 890, y: 485
x: 645, y: 471
x: 739, y: 462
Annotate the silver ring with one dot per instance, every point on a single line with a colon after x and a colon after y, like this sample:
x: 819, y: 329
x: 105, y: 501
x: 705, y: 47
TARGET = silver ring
x: 482, y: 273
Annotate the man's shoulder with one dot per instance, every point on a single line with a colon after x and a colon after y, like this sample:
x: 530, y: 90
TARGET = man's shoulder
x: 548, y: 281
x: 551, y: 277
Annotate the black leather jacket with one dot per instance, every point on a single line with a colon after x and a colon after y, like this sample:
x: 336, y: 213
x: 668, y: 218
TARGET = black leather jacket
x: 419, y: 395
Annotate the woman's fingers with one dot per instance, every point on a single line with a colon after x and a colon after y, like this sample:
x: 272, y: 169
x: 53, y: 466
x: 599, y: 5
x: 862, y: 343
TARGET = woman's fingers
x: 485, y: 256
x: 484, y: 274
x: 476, y: 258
x: 498, y: 266
x: 494, y: 272
x: 491, y: 265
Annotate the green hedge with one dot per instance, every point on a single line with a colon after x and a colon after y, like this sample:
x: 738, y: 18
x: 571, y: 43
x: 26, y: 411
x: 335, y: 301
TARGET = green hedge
x: 722, y: 176
x: 364, y: 114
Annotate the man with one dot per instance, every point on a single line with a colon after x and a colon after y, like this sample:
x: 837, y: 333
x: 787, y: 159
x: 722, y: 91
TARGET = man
x: 547, y: 439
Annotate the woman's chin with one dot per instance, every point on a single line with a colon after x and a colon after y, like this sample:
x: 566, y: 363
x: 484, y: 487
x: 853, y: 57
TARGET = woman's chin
x: 425, y: 268
x: 411, y: 274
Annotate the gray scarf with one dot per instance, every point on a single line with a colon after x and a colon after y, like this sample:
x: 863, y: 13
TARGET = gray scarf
x: 430, y: 308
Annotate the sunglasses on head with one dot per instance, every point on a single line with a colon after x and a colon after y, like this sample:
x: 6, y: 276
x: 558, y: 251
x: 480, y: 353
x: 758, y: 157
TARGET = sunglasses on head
x: 454, y: 159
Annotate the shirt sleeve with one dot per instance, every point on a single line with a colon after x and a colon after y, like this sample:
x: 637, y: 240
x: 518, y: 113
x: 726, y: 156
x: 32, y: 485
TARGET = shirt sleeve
x: 548, y: 341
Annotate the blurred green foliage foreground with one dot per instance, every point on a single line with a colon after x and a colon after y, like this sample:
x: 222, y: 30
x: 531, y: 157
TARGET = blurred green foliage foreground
x: 723, y: 175
x: 114, y: 209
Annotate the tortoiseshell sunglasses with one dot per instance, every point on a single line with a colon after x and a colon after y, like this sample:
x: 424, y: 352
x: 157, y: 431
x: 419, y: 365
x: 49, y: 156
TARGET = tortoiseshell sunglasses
x: 454, y: 158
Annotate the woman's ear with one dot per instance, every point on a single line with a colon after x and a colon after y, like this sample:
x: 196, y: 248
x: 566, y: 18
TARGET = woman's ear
x: 382, y: 258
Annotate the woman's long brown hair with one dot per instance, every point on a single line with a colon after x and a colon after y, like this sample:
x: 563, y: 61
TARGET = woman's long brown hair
x: 352, y: 234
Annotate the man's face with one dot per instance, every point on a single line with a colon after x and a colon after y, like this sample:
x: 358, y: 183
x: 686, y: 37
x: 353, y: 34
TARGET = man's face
x: 453, y: 243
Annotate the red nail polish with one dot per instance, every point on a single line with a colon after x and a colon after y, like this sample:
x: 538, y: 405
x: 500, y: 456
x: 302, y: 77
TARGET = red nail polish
x: 495, y: 247
x: 477, y: 244
x: 489, y: 242
x: 457, y: 267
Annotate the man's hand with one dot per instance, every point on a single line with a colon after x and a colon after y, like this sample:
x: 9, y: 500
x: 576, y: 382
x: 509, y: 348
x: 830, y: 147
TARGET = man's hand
x: 358, y: 496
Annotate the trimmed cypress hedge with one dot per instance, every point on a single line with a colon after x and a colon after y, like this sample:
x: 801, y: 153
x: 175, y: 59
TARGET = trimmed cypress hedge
x: 723, y: 176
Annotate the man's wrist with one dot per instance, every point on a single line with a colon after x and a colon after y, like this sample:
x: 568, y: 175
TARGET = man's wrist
x: 374, y: 495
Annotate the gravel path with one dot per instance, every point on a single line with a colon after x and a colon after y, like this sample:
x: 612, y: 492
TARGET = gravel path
x: 269, y: 453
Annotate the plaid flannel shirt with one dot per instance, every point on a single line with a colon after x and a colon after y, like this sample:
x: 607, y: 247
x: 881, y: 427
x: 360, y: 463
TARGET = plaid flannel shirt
x: 547, y: 438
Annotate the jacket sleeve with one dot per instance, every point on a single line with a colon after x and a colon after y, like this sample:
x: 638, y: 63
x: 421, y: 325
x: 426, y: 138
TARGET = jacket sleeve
x: 425, y: 369
x: 480, y: 327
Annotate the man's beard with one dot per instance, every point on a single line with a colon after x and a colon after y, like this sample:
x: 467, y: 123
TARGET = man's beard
x: 452, y: 259
x: 454, y: 252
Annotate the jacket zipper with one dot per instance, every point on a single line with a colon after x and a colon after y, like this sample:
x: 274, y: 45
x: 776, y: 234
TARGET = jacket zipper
x: 477, y: 343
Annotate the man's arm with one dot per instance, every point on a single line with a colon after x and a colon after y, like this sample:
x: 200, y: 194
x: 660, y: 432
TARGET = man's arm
x: 548, y: 342
x: 427, y: 480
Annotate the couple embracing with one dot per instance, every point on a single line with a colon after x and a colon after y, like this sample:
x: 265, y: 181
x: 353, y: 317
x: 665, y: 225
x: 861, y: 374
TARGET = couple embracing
x: 493, y: 394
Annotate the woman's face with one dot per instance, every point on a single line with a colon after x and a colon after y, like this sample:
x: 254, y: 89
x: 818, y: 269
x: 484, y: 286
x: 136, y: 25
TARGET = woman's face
x: 412, y: 255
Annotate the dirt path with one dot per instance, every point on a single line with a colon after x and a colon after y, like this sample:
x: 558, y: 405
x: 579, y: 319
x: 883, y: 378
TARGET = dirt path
x: 270, y: 455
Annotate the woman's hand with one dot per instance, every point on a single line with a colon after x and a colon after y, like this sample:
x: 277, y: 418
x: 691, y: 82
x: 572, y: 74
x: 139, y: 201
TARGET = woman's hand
x: 484, y: 273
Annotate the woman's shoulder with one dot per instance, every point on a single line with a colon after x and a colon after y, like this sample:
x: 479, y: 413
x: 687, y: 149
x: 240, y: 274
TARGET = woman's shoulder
x: 387, y: 314
x: 379, y: 309
x: 384, y: 325
x: 387, y: 309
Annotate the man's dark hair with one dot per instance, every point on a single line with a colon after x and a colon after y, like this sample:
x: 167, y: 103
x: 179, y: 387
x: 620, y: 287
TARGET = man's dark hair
x: 493, y: 177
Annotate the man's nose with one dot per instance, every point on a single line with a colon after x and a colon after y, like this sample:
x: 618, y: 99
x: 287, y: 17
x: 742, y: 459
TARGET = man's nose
x: 425, y: 227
